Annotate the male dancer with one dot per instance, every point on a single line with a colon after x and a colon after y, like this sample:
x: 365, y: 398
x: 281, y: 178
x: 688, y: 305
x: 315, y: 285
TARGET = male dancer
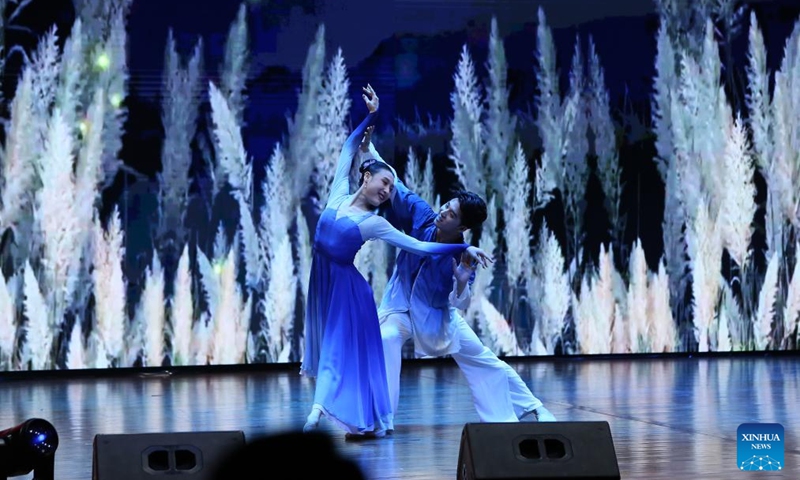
x: 419, y: 303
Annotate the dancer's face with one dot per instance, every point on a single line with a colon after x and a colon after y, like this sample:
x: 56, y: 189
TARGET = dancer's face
x: 448, y: 221
x: 378, y: 186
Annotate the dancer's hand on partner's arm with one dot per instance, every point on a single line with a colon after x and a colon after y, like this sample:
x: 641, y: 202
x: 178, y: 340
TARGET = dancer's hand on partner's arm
x: 367, y: 139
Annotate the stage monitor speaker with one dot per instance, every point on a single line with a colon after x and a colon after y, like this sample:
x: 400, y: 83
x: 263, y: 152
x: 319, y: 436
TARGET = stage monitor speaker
x: 537, y: 451
x: 192, y: 455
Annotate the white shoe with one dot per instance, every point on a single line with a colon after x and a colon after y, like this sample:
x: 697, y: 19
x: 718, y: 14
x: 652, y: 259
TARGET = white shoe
x: 312, y: 421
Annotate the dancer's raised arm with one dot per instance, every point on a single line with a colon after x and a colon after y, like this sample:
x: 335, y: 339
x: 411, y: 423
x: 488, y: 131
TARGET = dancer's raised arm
x: 405, y: 210
x: 341, y: 183
x: 377, y: 227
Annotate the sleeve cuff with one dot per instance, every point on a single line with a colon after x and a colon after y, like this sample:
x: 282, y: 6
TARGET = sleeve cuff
x: 459, y: 301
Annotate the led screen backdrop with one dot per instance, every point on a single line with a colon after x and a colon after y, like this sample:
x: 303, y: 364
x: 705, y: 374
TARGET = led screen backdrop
x: 163, y: 168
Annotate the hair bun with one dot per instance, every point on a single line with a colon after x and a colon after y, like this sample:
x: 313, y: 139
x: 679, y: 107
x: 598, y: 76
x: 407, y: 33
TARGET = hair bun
x: 367, y: 163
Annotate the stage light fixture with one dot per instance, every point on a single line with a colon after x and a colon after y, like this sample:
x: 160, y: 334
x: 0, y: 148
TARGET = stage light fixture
x: 29, y: 446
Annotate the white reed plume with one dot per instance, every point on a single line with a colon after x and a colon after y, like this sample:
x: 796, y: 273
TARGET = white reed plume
x: 429, y: 185
x: 500, y: 124
x: 237, y: 170
x: 57, y: 218
x: 738, y: 206
x: 275, y: 214
x: 109, y: 56
x: 586, y: 333
x: 575, y: 169
x: 97, y: 356
x: 604, y: 299
x: 420, y: 179
x: 8, y: 323
x: 229, y: 337
x: 413, y: 176
x: 620, y: 332
x: 231, y: 154
x: 595, y: 309
x: 19, y: 154
x: 302, y: 128
x: 181, y: 311
x: 153, y: 314
x: 220, y: 244
x: 778, y: 172
x: 684, y: 109
x: 89, y: 169
x: 723, y: 343
x: 109, y: 286
x: 503, y: 340
x: 244, y: 346
x: 39, y: 328
x: 372, y: 262
x: 44, y: 74
x: 517, y: 217
x: 637, y: 312
x: 72, y: 79
x: 554, y: 120
x: 758, y: 98
x: 711, y: 120
x: 96, y: 15
x: 764, y: 316
x: 482, y: 286
x: 253, y: 251
x: 89, y: 177
x: 663, y: 337
x: 791, y: 308
x: 201, y: 340
x: 76, y: 350
x: 235, y: 69
x: 664, y: 87
x: 236, y: 65
x: 179, y: 110
x: 605, y: 144
x: 332, y: 108
x: 209, y: 281
x: 304, y: 250
x: 738, y: 328
x: 548, y: 290
x: 763, y: 125
x: 705, y: 251
x: 467, y: 148
x: 278, y: 303
x: 784, y: 169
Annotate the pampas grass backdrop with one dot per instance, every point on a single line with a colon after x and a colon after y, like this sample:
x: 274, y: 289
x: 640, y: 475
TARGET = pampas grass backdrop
x: 232, y: 290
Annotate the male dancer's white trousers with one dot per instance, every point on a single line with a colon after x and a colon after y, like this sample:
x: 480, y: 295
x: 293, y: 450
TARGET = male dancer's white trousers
x: 498, y: 392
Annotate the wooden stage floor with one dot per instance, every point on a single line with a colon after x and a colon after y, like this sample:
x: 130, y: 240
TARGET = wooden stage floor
x: 670, y: 418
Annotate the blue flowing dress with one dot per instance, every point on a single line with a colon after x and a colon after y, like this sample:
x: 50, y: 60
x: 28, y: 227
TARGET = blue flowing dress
x: 343, y: 347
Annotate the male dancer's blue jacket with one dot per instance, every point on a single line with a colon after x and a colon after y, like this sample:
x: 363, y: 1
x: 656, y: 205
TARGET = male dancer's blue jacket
x: 422, y: 286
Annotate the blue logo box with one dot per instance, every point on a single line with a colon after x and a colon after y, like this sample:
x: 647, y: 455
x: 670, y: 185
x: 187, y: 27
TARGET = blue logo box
x: 759, y: 447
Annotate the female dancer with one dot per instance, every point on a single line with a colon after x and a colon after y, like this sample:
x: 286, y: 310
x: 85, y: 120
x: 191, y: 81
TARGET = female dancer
x: 343, y: 347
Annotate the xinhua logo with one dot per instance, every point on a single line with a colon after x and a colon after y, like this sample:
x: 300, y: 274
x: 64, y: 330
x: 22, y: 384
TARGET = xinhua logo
x: 759, y: 446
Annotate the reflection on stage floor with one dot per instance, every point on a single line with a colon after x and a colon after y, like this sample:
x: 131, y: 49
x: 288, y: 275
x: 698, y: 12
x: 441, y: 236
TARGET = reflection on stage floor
x: 670, y: 418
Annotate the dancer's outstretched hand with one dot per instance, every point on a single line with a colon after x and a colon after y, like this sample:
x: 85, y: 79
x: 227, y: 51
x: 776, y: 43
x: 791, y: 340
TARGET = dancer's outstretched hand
x: 475, y: 256
x: 370, y: 98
